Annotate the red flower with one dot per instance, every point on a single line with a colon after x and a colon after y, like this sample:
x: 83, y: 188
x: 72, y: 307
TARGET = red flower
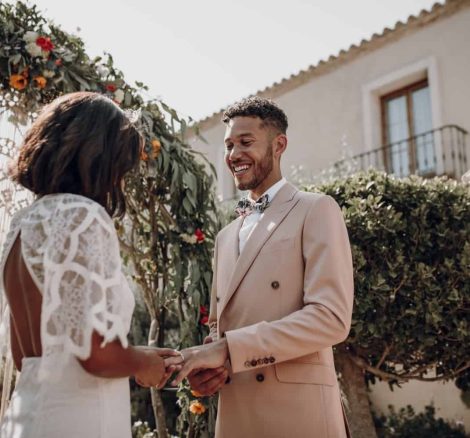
x: 111, y: 87
x: 204, y: 320
x: 203, y: 310
x: 199, y: 235
x: 58, y: 62
x: 45, y: 43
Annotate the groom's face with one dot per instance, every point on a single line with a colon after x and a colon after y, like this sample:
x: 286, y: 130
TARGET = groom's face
x: 249, y: 153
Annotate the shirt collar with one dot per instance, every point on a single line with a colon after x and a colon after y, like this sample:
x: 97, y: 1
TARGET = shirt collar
x: 272, y: 191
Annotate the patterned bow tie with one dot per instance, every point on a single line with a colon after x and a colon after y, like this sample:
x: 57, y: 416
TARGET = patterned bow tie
x: 246, y: 206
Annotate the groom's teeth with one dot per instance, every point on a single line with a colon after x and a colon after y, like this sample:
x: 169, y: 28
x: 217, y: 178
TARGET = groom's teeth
x: 241, y: 168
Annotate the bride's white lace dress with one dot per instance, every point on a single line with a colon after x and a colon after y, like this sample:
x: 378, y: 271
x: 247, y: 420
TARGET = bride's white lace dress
x: 71, y: 250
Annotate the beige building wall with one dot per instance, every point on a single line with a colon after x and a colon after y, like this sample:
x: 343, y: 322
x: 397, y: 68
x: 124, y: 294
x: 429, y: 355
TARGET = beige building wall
x: 339, y: 101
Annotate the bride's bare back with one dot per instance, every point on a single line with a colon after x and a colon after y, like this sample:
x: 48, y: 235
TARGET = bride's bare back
x: 25, y: 301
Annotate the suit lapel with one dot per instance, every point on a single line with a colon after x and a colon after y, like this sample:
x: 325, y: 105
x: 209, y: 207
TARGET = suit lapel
x: 282, y: 203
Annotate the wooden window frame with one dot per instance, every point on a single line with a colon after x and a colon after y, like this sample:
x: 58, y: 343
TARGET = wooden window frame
x: 404, y: 91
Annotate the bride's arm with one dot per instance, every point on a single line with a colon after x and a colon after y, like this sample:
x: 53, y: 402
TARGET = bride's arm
x: 146, y: 364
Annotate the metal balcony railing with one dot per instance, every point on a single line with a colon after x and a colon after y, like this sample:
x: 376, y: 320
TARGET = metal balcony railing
x: 441, y: 151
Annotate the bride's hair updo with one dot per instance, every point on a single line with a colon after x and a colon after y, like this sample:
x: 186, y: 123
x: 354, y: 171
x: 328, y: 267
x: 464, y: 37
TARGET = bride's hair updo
x: 81, y: 143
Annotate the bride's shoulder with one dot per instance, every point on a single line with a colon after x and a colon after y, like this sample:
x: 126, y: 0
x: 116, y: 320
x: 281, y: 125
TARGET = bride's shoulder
x: 62, y: 211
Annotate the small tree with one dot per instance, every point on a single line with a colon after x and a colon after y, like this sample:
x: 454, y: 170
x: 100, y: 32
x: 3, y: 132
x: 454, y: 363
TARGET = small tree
x: 411, y: 253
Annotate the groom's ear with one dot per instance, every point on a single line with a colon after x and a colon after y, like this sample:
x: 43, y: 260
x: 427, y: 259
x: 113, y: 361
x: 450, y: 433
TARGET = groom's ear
x: 279, y: 145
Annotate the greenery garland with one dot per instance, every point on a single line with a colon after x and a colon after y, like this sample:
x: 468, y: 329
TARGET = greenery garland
x: 168, y: 233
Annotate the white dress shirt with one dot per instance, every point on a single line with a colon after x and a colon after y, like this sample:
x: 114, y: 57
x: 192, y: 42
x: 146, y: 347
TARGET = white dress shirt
x: 250, y: 221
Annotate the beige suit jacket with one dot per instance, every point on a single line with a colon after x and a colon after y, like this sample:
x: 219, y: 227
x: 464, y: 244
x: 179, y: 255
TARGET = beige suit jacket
x: 282, y: 304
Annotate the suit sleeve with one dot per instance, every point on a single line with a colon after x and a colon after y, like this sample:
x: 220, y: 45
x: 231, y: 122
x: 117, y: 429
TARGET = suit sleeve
x: 325, y: 318
x: 213, y: 331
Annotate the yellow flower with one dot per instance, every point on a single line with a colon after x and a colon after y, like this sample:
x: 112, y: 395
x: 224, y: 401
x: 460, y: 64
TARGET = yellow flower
x: 41, y: 81
x: 197, y: 408
x: 196, y: 393
x: 18, y: 82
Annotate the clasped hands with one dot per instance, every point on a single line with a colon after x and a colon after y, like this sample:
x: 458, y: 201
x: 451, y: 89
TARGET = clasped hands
x: 203, y: 365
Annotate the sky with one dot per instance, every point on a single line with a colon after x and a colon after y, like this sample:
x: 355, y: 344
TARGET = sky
x: 201, y: 55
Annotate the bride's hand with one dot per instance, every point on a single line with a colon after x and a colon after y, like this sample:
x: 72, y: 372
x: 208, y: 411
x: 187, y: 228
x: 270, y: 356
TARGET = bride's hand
x: 212, y: 355
x: 157, y: 365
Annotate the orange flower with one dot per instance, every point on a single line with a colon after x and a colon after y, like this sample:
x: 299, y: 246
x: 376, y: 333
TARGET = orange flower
x: 40, y: 81
x: 196, y: 393
x: 18, y: 82
x: 143, y: 155
x: 156, y: 146
x: 197, y: 408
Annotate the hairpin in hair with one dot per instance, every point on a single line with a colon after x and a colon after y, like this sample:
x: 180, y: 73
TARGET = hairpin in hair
x: 133, y: 115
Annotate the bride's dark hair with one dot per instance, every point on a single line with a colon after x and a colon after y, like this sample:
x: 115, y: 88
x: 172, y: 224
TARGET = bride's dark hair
x: 81, y: 143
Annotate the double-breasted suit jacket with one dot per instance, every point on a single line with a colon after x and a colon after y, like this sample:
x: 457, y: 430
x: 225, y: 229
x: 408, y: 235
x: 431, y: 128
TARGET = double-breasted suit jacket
x: 282, y: 304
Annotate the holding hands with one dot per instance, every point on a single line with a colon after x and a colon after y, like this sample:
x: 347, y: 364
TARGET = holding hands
x: 204, y: 366
x: 158, y: 364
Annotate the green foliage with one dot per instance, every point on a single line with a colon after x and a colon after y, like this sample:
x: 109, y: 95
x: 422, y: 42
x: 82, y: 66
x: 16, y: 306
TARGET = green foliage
x: 410, y: 241
x: 168, y: 233
x: 406, y: 424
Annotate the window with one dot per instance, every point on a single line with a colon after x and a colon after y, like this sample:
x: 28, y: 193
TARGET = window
x: 406, y: 122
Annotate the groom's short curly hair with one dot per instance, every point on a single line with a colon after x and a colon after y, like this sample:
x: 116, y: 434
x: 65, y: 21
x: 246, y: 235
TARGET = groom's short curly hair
x: 267, y: 110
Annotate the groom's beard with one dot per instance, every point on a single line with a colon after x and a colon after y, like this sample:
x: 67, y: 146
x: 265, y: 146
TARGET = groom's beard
x: 261, y: 171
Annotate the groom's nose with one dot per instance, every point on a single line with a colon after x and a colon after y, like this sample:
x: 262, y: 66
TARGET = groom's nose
x: 235, y: 153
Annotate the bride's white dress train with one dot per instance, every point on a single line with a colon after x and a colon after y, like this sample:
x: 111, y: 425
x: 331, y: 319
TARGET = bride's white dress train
x: 71, y: 250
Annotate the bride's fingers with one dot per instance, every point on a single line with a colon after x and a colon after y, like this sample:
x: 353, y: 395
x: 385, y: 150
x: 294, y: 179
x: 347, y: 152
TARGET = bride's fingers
x: 169, y: 371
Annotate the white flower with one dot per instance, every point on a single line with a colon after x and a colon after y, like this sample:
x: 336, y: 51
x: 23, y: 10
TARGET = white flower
x: 30, y: 37
x: 189, y: 239
x: 48, y: 73
x: 119, y: 95
x: 33, y: 49
x: 102, y: 70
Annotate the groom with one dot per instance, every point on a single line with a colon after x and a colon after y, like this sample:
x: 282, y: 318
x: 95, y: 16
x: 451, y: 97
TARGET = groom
x: 282, y: 293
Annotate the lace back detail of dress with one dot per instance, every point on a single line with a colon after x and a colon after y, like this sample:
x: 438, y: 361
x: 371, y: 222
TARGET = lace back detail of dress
x: 71, y: 249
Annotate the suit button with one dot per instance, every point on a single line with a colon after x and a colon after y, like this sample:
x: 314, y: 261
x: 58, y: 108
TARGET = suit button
x: 217, y: 299
x: 260, y: 377
x: 265, y: 360
x: 272, y: 360
x: 260, y: 361
x: 275, y: 284
x: 248, y: 364
x: 254, y: 362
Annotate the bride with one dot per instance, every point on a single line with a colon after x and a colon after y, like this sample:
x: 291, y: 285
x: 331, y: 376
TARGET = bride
x: 68, y: 303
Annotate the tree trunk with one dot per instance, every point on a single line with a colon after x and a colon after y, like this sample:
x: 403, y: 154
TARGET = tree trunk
x: 159, y: 413
x: 357, y: 403
x: 157, y: 402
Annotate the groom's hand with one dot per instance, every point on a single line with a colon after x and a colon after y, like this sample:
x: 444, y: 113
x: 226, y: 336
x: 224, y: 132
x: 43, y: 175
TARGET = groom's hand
x: 208, y: 382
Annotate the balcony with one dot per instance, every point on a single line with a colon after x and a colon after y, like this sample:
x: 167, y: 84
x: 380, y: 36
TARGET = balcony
x: 441, y: 151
